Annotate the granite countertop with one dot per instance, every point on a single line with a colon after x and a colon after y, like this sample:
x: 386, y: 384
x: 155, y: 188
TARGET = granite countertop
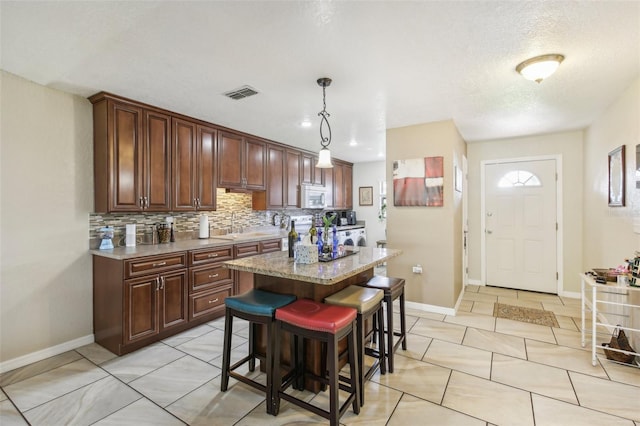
x: 278, y: 264
x: 122, y: 253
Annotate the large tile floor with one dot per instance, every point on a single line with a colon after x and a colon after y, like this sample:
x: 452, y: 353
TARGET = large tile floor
x: 468, y: 369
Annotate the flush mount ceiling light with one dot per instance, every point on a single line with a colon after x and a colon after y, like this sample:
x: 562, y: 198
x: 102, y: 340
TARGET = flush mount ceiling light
x: 324, y: 156
x: 540, y: 67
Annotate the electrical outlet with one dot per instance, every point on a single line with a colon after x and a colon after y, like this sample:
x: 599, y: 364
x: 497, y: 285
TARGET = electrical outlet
x: 417, y: 269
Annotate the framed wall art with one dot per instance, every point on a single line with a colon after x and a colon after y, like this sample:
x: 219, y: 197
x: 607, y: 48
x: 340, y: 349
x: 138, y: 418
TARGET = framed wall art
x: 418, y: 182
x: 616, y: 177
x: 366, y: 196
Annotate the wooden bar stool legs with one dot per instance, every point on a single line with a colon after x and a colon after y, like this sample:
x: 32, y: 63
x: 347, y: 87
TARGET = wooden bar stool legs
x: 368, y: 303
x: 306, y: 319
x: 257, y: 307
x: 393, y: 289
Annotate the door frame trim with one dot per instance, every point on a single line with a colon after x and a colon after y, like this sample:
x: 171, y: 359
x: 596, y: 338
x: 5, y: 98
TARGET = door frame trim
x: 559, y: 211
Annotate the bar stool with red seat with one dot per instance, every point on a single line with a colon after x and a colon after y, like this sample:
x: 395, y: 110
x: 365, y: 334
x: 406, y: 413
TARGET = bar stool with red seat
x: 328, y: 324
x: 368, y: 303
x: 257, y: 307
x: 393, y: 289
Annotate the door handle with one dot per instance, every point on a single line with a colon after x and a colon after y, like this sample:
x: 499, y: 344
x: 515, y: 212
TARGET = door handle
x: 489, y: 231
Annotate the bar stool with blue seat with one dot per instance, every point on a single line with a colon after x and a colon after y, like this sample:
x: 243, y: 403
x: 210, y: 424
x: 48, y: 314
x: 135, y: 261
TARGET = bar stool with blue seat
x: 257, y: 307
x: 393, y: 289
x: 368, y: 303
x: 307, y: 319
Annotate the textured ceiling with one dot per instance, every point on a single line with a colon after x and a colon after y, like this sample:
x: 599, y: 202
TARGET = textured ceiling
x: 393, y: 63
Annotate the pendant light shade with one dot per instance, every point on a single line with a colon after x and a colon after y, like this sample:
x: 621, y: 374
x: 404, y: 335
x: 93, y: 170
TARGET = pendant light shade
x: 538, y: 68
x: 324, y: 159
x: 324, y: 156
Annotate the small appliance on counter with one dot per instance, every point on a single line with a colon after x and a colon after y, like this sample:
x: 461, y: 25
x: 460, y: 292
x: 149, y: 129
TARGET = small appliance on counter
x: 107, y: 235
x: 351, y: 217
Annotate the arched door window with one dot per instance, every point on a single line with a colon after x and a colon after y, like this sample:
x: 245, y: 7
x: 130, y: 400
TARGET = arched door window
x: 516, y: 178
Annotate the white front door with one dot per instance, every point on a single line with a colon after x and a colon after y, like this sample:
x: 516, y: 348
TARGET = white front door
x: 521, y: 225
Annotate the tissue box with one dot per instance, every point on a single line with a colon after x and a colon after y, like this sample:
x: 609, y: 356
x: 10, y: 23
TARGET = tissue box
x: 306, y: 254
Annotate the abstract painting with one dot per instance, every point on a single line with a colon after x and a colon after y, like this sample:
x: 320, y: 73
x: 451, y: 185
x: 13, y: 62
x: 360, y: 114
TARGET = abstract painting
x: 418, y: 182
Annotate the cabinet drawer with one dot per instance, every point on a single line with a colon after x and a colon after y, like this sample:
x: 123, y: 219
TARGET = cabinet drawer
x: 154, y: 264
x: 210, y: 255
x: 271, y: 245
x: 247, y: 249
x: 207, y: 277
x: 208, y: 302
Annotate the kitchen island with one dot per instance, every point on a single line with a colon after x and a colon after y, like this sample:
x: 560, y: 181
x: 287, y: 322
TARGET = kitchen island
x: 277, y: 273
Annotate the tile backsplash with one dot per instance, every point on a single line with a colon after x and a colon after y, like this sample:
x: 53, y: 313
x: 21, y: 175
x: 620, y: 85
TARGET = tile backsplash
x: 186, y: 224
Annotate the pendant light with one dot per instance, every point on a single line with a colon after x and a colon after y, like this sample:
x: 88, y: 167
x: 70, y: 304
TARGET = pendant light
x: 540, y: 67
x: 324, y: 156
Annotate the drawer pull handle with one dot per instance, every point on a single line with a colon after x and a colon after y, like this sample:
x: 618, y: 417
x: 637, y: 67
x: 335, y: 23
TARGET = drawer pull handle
x: 213, y: 301
x: 155, y: 265
x: 213, y: 255
x: 214, y: 275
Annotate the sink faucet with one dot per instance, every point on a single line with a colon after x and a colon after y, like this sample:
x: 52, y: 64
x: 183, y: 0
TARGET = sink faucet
x: 233, y: 218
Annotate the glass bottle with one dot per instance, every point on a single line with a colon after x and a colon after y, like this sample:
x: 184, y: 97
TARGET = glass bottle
x: 293, y: 238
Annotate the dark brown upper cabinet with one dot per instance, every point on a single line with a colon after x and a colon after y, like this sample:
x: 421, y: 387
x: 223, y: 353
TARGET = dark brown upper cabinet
x: 194, y: 166
x: 132, y: 159
x: 241, y: 162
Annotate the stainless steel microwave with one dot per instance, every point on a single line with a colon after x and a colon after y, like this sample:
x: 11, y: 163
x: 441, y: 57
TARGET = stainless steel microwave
x: 313, y: 197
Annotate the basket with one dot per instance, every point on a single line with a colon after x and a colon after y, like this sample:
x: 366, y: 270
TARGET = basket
x: 608, y: 274
x: 619, y: 341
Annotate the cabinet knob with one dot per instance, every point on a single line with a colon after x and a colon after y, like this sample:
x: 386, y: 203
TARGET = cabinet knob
x: 213, y: 301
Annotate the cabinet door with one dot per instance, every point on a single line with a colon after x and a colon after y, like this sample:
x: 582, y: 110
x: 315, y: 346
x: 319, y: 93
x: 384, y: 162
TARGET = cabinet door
x: 125, y: 129
x: 173, y: 299
x: 306, y: 169
x: 347, y: 176
x: 275, y: 186
x: 184, y: 165
x: 206, y: 168
x: 338, y: 186
x: 230, y: 158
x: 318, y: 173
x: 140, y: 308
x: 292, y: 165
x: 255, y: 160
x: 328, y: 184
x: 157, y: 161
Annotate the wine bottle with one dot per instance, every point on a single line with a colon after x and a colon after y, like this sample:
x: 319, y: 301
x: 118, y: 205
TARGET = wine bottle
x: 293, y: 238
x: 313, y: 233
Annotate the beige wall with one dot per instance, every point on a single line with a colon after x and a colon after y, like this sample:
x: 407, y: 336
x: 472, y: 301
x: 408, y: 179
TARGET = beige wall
x: 46, y: 195
x: 429, y: 236
x: 570, y: 147
x: 608, y: 231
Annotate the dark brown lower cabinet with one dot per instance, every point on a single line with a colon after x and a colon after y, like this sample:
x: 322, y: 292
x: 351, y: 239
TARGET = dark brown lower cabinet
x: 154, y: 304
x: 141, y: 300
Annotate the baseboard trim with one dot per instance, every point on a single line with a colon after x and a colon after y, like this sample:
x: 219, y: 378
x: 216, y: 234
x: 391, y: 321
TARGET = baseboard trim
x: 430, y: 308
x: 571, y: 294
x: 27, y: 359
x: 474, y: 282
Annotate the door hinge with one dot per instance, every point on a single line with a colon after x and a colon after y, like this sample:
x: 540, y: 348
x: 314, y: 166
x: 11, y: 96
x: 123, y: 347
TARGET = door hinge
x: 556, y: 226
x: 557, y: 276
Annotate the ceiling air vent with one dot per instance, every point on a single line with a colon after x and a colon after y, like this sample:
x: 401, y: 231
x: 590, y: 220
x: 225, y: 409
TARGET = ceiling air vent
x: 241, y: 92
